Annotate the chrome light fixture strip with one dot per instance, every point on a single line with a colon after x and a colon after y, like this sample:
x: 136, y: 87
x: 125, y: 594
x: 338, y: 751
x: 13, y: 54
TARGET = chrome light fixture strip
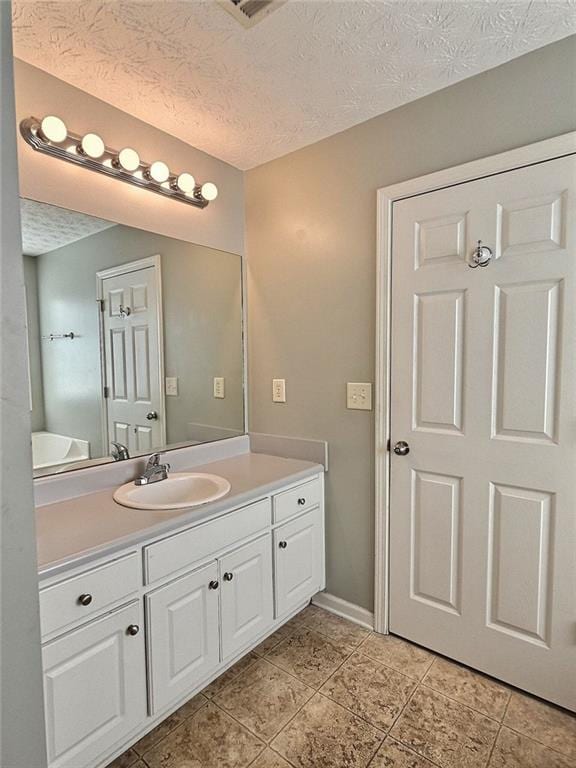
x: 30, y: 131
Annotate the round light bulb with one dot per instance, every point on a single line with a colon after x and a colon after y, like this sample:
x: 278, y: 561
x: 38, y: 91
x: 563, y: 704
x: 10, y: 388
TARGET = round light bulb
x: 92, y: 145
x: 129, y: 159
x: 186, y: 182
x: 54, y: 129
x: 209, y: 191
x: 159, y: 171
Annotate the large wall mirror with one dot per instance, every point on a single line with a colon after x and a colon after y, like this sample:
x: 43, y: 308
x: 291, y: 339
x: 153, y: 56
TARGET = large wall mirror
x: 135, y: 340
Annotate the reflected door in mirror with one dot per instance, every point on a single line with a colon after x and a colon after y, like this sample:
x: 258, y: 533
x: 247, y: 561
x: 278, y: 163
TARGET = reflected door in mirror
x: 133, y: 356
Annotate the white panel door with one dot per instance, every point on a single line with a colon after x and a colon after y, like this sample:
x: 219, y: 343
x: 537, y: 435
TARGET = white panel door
x: 246, y: 596
x: 183, y: 635
x: 132, y: 351
x: 483, y: 514
x: 297, y: 561
x: 94, y: 688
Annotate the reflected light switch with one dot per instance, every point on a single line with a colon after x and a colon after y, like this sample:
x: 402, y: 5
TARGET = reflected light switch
x: 172, y: 386
x: 219, y: 390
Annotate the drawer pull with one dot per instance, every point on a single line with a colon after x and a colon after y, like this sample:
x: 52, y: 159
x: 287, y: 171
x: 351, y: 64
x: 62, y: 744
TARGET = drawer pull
x: 228, y: 576
x: 301, y: 501
x: 283, y: 544
x: 133, y: 629
x: 85, y: 599
x: 213, y: 585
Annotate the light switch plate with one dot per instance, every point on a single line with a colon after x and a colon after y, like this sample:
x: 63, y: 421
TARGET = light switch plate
x: 219, y: 388
x: 172, y: 386
x: 359, y: 396
x: 278, y: 390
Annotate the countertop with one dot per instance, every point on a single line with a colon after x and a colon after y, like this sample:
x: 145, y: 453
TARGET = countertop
x: 77, y: 531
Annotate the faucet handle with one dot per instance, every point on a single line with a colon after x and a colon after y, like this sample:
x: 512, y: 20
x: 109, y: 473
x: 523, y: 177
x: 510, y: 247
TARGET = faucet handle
x: 154, y: 460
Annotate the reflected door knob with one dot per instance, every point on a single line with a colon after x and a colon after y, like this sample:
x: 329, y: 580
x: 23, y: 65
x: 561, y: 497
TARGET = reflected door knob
x: 401, y: 448
x: 152, y: 416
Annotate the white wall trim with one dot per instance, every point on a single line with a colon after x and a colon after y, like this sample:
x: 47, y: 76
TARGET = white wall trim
x: 539, y: 152
x: 343, y: 608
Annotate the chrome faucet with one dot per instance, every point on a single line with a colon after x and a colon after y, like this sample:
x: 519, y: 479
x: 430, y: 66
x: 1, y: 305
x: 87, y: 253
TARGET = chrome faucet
x: 119, y: 452
x: 154, y: 471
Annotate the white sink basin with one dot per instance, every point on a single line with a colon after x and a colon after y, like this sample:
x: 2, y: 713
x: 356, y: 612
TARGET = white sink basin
x: 179, y: 491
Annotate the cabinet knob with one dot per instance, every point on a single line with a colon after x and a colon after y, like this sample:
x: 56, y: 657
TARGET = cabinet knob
x: 213, y: 585
x: 85, y: 599
x: 283, y: 544
x: 301, y: 501
x: 228, y: 576
x: 133, y: 629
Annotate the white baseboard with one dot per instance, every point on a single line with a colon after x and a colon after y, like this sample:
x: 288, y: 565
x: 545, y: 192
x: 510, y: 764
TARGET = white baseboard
x: 345, y: 609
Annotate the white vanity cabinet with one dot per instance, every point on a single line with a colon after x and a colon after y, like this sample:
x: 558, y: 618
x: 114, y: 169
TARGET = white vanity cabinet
x: 94, y: 687
x: 131, y: 638
x: 183, y: 634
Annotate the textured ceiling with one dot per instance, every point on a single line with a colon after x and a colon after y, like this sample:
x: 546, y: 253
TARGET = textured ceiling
x: 46, y: 227
x: 310, y: 69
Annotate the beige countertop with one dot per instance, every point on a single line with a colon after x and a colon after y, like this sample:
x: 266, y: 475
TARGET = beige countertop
x: 77, y: 531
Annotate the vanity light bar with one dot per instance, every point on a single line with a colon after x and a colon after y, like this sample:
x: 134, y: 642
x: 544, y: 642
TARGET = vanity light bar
x: 51, y: 137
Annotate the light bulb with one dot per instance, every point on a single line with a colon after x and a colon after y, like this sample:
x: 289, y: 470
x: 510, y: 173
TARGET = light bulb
x: 209, y: 191
x: 186, y: 182
x: 159, y: 171
x: 129, y: 159
x: 92, y: 145
x: 53, y: 129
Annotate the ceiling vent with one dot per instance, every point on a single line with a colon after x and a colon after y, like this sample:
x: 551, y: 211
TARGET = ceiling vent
x: 250, y: 12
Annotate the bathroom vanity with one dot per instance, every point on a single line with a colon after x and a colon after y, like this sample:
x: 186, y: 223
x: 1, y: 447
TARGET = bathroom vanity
x: 140, y: 610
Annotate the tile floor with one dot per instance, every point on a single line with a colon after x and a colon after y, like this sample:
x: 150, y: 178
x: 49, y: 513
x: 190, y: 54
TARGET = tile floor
x: 325, y: 693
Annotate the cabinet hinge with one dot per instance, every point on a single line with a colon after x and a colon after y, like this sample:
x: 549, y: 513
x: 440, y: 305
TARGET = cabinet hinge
x: 101, y: 304
x: 106, y: 392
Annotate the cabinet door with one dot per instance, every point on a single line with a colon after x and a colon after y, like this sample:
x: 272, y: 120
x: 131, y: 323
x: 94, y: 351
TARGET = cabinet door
x: 246, y: 576
x: 94, y: 687
x: 298, y: 559
x: 183, y: 636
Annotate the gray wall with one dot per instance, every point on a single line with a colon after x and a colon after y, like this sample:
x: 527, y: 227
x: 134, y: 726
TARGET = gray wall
x: 34, y: 352
x: 311, y: 247
x: 202, y: 304
x: 22, y: 742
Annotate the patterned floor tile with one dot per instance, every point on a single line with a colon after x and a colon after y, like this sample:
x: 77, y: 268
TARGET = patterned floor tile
x: 371, y: 690
x: 445, y: 732
x: 264, y: 698
x: 409, y: 659
x: 468, y: 687
x: 269, y: 759
x: 335, y: 627
x: 546, y: 723
x: 324, y: 735
x: 392, y: 754
x: 171, y: 722
x: 513, y: 750
x: 231, y: 674
x: 127, y: 759
x: 308, y: 656
x: 209, y: 739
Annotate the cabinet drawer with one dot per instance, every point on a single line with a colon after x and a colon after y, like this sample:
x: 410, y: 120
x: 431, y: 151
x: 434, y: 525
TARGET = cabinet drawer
x: 296, y: 500
x: 82, y: 597
x: 184, y: 549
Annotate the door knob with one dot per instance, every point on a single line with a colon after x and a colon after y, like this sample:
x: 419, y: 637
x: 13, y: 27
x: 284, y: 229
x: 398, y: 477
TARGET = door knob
x: 401, y: 448
x: 283, y: 544
x: 133, y: 629
x: 152, y: 416
x: 213, y: 585
x: 228, y: 576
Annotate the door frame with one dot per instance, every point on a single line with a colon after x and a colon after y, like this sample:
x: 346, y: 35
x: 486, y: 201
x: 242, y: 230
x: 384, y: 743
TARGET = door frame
x: 542, y: 151
x: 124, y: 269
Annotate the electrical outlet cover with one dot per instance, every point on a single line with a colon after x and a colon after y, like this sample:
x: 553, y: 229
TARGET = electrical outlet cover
x: 278, y: 390
x: 219, y: 388
x: 171, y: 386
